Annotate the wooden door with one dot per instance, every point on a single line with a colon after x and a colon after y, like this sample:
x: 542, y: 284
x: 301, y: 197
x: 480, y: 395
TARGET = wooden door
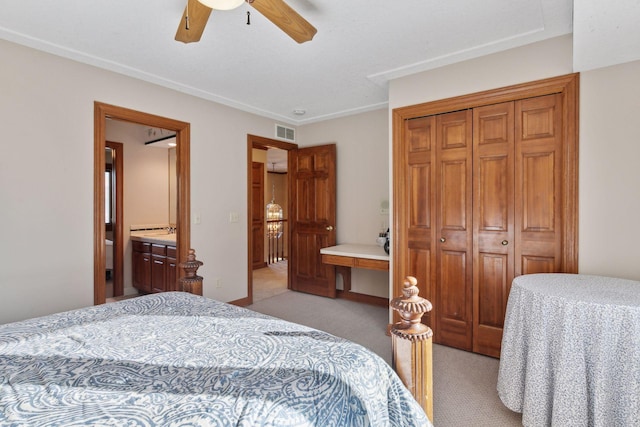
x: 493, y: 222
x: 539, y: 181
x: 172, y: 269
x: 312, y: 211
x: 524, y: 215
x: 453, y: 293
x: 141, y: 266
x: 417, y: 225
x: 158, y: 273
x: 257, y: 215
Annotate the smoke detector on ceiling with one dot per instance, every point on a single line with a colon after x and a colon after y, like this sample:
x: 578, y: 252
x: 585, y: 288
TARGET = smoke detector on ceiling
x: 285, y: 133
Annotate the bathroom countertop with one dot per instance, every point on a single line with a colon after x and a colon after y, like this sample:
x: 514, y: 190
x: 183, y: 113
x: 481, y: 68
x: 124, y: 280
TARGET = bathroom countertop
x: 151, y: 237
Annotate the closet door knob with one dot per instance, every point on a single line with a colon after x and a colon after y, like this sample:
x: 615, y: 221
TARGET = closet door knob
x: 505, y: 242
x: 442, y: 239
x: 329, y: 227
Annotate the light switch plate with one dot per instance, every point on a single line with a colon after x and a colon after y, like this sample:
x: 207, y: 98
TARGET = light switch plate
x: 234, y: 217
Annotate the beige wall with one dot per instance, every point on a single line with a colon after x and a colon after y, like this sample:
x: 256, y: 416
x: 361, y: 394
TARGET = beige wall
x: 536, y: 61
x: 46, y: 179
x: 362, y: 142
x: 610, y: 172
x: 46, y: 168
x: 609, y: 177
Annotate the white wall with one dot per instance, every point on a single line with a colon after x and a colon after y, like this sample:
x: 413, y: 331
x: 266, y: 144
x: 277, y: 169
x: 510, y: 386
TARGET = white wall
x: 362, y: 183
x: 610, y: 172
x: 609, y: 178
x: 46, y: 179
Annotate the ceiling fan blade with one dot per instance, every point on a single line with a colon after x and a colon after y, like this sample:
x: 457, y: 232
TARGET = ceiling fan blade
x: 287, y: 19
x: 198, y: 15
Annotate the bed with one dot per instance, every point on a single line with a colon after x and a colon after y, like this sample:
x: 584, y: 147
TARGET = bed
x: 175, y: 358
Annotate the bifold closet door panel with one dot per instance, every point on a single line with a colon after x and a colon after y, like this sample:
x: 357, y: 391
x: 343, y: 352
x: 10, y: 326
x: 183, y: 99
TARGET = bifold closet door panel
x: 454, y: 229
x: 493, y: 222
x: 539, y: 152
x: 419, y: 198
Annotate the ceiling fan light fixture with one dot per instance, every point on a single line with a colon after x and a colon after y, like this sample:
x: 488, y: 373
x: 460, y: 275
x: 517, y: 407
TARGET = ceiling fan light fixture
x: 222, y: 4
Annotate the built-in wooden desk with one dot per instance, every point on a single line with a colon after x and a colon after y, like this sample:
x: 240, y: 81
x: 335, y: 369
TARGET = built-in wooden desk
x: 348, y: 256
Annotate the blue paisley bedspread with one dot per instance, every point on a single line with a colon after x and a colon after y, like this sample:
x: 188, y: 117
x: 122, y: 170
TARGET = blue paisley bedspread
x: 176, y: 359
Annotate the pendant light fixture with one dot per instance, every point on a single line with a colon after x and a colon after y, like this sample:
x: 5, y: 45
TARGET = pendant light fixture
x: 274, y: 214
x: 222, y: 4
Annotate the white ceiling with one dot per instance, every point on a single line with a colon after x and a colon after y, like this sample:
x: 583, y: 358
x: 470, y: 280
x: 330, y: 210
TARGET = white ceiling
x: 359, y: 47
x: 345, y: 68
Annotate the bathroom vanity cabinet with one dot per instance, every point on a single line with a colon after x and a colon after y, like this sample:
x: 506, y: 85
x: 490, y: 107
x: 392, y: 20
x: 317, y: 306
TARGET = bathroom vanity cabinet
x: 154, y: 267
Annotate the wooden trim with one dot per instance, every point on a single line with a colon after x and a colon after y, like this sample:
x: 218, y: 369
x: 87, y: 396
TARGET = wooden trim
x: 258, y: 267
x: 363, y: 298
x: 249, y: 299
x: 99, y: 232
x: 103, y: 111
x: 261, y: 143
x: 567, y: 85
x: 562, y: 84
x: 242, y: 302
x: 571, y: 202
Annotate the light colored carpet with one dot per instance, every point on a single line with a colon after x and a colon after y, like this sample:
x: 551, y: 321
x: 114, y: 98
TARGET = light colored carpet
x: 464, y: 383
x: 270, y: 281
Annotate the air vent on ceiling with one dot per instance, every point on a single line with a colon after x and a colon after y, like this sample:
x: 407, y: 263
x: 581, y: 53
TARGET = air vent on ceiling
x: 284, y: 132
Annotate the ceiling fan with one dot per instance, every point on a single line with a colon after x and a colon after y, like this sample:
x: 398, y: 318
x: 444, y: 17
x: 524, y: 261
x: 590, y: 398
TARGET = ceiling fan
x: 196, y: 14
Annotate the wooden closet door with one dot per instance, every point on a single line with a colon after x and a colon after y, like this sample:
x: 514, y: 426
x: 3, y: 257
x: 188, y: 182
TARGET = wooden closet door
x: 525, y: 196
x: 453, y: 295
x: 419, y: 199
x: 493, y: 222
x: 539, y: 183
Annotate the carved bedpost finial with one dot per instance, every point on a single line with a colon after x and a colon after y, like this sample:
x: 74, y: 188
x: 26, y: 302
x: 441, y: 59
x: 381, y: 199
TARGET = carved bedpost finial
x: 191, y: 282
x: 411, y: 345
x: 411, y: 307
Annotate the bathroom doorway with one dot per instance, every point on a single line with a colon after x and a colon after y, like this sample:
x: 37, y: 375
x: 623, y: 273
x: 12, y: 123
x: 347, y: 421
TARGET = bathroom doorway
x: 102, y: 113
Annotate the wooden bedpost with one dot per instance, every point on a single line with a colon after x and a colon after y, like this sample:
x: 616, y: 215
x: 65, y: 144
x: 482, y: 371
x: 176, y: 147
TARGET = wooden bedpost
x: 190, y: 282
x: 411, y: 344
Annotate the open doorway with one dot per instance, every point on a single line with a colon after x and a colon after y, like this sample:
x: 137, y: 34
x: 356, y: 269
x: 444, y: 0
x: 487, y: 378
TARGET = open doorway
x: 145, y: 207
x: 102, y: 113
x: 268, y: 202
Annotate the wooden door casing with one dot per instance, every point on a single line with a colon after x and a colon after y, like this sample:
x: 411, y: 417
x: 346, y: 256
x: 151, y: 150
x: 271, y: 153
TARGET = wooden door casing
x: 511, y: 197
x: 313, y: 218
x: 103, y: 112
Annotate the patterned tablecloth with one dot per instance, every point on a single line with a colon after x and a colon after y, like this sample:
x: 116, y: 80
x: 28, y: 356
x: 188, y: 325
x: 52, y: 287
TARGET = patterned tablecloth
x: 571, y: 351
